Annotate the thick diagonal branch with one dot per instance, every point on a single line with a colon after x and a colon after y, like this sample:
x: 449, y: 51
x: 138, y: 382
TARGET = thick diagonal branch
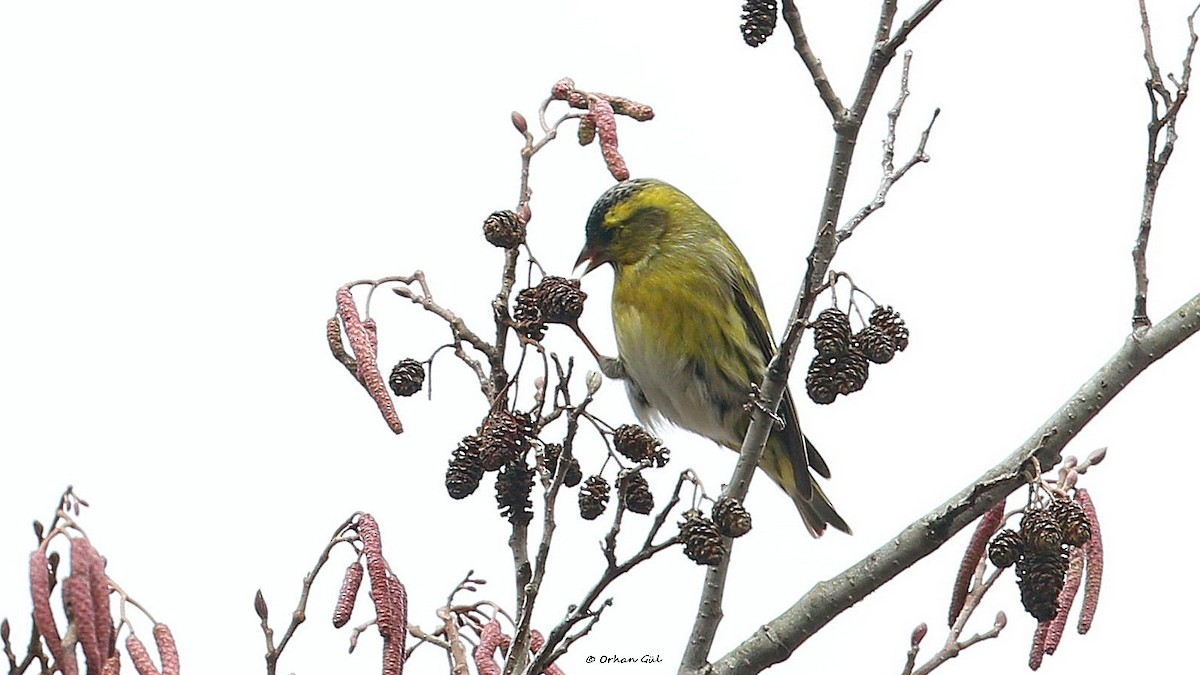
x: 778, y: 638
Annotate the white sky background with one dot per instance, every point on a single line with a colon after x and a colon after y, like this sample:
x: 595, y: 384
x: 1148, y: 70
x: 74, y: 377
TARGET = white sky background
x: 183, y: 188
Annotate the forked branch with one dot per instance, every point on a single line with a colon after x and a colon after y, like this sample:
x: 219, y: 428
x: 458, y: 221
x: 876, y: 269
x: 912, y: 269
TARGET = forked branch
x: 1164, y: 113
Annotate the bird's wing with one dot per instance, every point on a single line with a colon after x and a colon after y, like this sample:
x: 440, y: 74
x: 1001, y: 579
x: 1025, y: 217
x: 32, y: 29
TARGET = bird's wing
x: 750, y: 305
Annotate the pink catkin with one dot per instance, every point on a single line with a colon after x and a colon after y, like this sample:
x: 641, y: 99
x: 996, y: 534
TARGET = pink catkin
x: 393, y: 657
x: 1066, y: 598
x: 490, y: 638
x: 1039, y: 645
x: 1093, y: 552
x: 361, y: 343
x: 87, y: 561
x: 393, y: 644
x: 113, y: 665
x: 348, y: 594
x: 140, y: 657
x: 43, y: 616
x: 976, y: 549
x: 562, y: 89
x: 400, y: 603
x: 168, y: 653
x: 77, y: 602
x: 606, y: 129
x: 377, y: 571
x: 333, y: 335
x: 638, y: 111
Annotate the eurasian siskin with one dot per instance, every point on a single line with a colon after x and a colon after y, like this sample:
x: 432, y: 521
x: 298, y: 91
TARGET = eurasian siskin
x: 692, y: 334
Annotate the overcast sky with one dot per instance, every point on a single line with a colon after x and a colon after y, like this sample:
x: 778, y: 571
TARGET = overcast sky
x: 183, y: 188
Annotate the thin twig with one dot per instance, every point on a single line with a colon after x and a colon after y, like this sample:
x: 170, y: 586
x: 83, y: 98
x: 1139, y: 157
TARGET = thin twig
x: 298, y: 615
x: 525, y: 613
x: 1164, y: 113
x: 560, y: 638
x: 457, y: 653
x: 458, y: 328
x: 791, y: 15
x: 954, y: 644
x: 890, y: 174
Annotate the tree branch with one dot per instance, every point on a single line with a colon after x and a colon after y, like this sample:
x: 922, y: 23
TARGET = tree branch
x: 558, y: 640
x: 791, y: 15
x: 1161, y: 127
x: 777, y: 639
x: 891, y: 175
x: 847, y: 124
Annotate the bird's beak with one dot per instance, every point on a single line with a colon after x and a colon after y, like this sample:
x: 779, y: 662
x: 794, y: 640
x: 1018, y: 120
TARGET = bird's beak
x: 592, y: 258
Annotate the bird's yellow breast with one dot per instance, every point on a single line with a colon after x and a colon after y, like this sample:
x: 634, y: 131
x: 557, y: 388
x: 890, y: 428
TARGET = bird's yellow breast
x: 684, y: 342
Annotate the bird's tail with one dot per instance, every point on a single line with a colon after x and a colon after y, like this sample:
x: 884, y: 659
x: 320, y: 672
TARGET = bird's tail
x: 789, y: 468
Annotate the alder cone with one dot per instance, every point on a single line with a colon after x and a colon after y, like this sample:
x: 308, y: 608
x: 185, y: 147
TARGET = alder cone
x: 731, y: 518
x: 593, y: 497
x: 702, y: 542
x: 831, y: 332
x: 1006, y: 548
x: 635, y: 492
x: 465, y: 470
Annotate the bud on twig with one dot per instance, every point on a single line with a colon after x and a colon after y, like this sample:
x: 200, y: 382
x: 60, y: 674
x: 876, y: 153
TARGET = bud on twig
x: 260, y: 605
x: 518, y: 122
x: 593, y: 381
x: 919, y: 633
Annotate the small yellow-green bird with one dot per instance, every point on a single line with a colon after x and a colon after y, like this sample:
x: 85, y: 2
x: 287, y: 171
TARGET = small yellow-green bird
x: 692, y: 334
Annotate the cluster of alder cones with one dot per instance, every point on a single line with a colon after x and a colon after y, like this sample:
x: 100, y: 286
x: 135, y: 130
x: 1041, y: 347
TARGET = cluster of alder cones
x: 502, y: 445
x: 703, y: 537
x: 844, y: 357
x: 1041, y: 551
x: 552, y: 300
x: 504, y: 441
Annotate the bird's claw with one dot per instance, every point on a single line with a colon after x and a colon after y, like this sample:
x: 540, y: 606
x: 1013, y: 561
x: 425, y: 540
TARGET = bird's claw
x: 612, y: 368
x: 756, y: 402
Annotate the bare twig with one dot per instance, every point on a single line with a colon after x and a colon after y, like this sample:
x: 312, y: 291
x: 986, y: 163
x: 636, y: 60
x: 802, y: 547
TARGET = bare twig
x: 800, y: 39
x: 560, y: 638
x: 458, y: 328
x: 274, y: 652
x: 954, y: 644
x: 907, y: 26
x: 891, y: 175
x: 530, y: 592
x: 1164, y: 113
x: 457, y: 652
